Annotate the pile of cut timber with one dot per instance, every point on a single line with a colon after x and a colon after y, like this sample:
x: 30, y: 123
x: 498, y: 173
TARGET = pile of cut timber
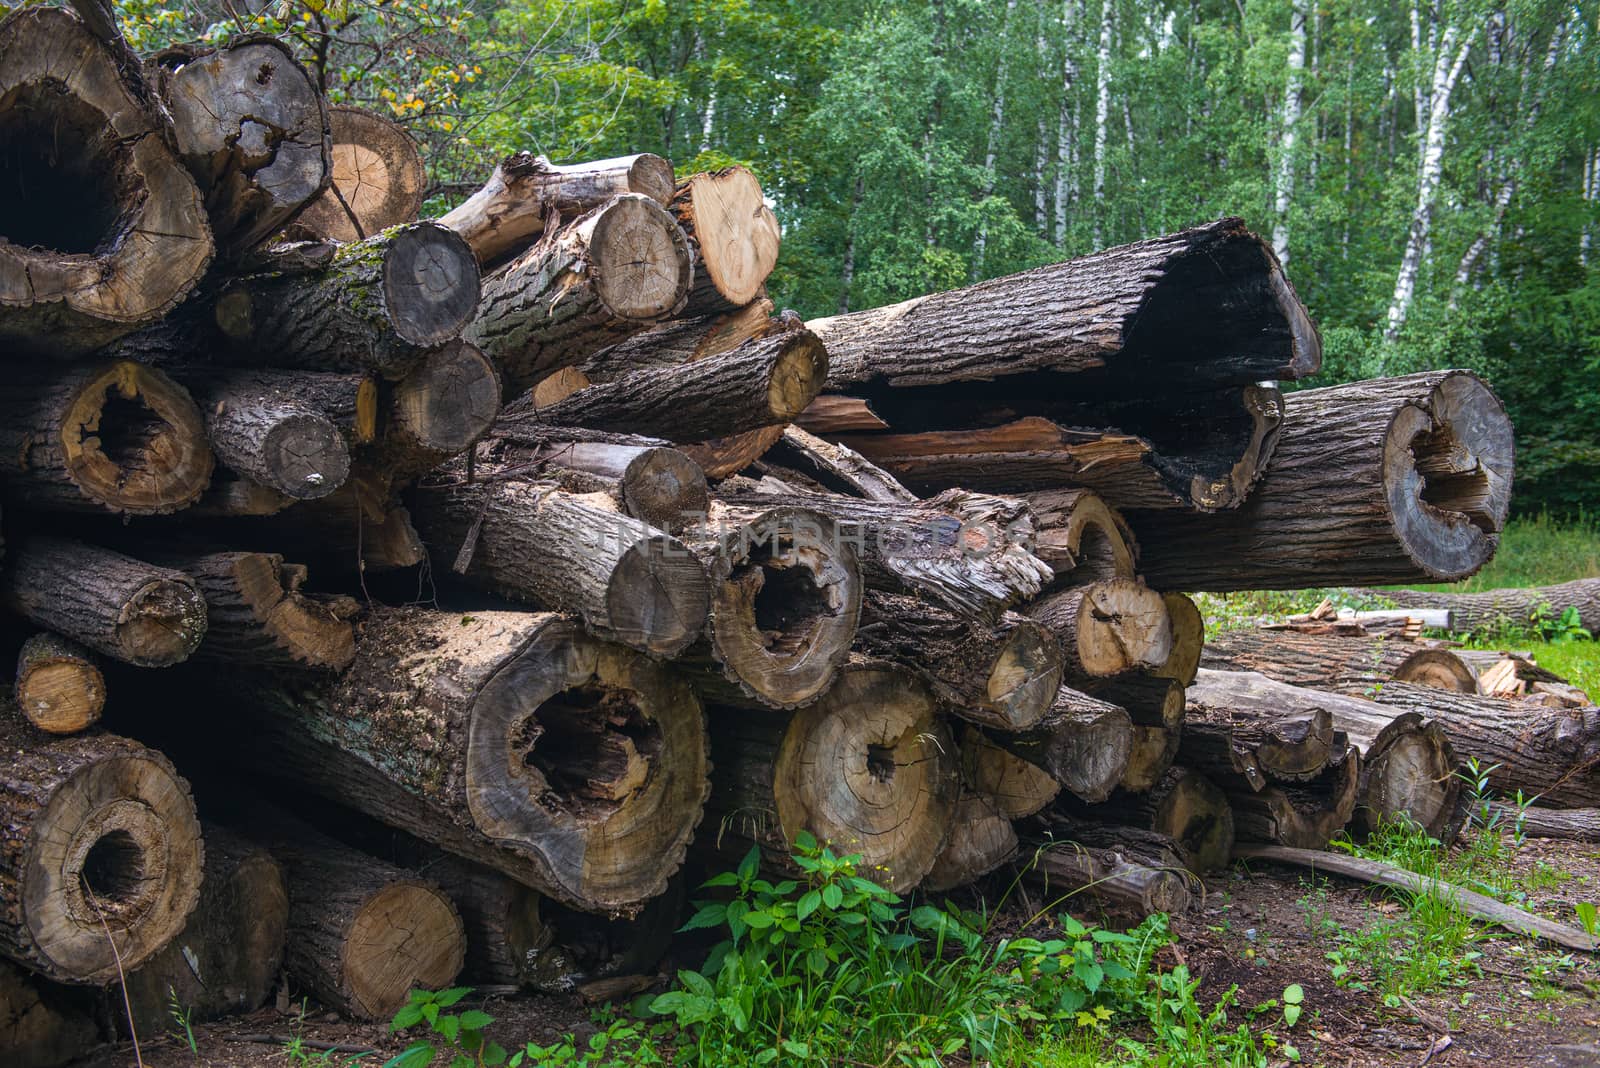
x: 495, y: 534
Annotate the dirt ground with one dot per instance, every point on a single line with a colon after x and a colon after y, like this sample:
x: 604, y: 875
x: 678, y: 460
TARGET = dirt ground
x: 1259, y: 929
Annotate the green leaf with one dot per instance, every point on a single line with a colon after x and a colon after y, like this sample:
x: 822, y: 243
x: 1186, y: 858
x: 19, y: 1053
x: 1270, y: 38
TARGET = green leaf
x: 710, y: 916
x: 750, y: 864
x: 416, y: 1055
x: 805, y: 842
x: 494, y: 1055
x: 1293, y: 994
x: 449, y: 1026
x: 696, y: 983
x: 727, y: 878
x: 408, y: 1016
x: 447, y: 998
x: 475, y: 1020
x: 1291, y: 1015
x: 808, y: 904
x: 832, y: 896
x: 430, y: 1011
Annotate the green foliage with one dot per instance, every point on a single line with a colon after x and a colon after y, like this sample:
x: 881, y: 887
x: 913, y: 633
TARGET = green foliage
x: 1588, y: 917
x: 182, y: 1025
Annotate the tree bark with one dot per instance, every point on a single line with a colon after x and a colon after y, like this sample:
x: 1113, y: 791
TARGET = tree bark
x: 1491, y: 610
x: 1304, y: 815
x: 1016, y: 786
x: 837, y: 468
x: 362, y: 527
x: 981, y: 839
x: 1139, y: 311
x: 508, y: 941
x: 378, y: 308
x: 441, y: 408
x: 1388, y: 481
x: 1082, y: 742
x: 1003, y: 675
x: 377, y: 180
x: 1225, y: 738
x: 1153, y: 751
x: 251, y: 127
x: 733, y: 238
x: 508, y: 738
x: 526, y: 191
x: 1344, y: 664
x: 1080, y: 537
x: 1283, y: 189
x: 44, y: 1024
x: 105, y: 231
x: 98, y: 840
x: 1571, y: 824
x: 1123, y: 866
x: 116, y: 437
x: 1108, y: 627
x: 868, y: 768
x: 606, y: 275
x: 137, y: 613
x: 532, y: 542
x: 1183, y: 806
x: 59, y: 686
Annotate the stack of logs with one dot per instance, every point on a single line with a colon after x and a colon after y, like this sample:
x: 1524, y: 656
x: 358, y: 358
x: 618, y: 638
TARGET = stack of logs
x: 495, y: 534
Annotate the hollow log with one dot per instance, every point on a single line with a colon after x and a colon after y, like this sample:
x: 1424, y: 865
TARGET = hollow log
x: 1143, y: 313
x: 115, y: 437
x: 1017, y: 787
x: 44, y: 1024
x: 1080, y: 537
x: 508, y: 942
x: 378, y: 308
x: 103, y: 229
x: 532, y: 542
x: 377, y: 178
x: 1345, y: 664
x: 868, y: 768
x: 289, y: 432
x: 1388, y: 481
x: 654, y: 484
x: 101, y: 842
x: 227, y: 958
x: 138, y: 613
x: 1121, y: 866
x: 438, y: 410
x: 59, y: 686
x: 1184, y: 806
x: 786, y: 593
x: 249, y: 123
x: 361, y: 933
x: 525, y: 191
x: 1082, y: 742
x: 1491, y: 610
x: 1202, y: 453
x: 764, y: 382
x: 981, y: 840
x: 509, y: 738
x: 1108, y: 627
x: 732, y: 234
x: 1552, y: 754
x: 1003, y: 675
x: 1302, y: 815
x: 606, y: 275
x: 838, y: 469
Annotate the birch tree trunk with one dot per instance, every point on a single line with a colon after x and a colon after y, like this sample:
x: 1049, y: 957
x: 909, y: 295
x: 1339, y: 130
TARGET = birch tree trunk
x: 1066, y: 121
x: 996, y: 122
x: 1284, y: 188
x: 1102, y: 110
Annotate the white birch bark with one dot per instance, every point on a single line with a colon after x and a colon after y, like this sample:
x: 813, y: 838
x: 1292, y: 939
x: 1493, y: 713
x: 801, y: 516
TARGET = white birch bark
x: 1102, y: 112
x: 1591, y: 193
x: 847, y: 276
x: 997, y: 120
x: 1067, y: 122
x: 1283, y: 193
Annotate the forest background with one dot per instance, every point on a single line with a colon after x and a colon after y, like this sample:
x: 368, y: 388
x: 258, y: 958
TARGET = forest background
x: 1429, y: 174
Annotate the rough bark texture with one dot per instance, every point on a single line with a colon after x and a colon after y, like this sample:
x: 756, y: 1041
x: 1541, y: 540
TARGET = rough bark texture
x: 96, y: 831
x: 868, y: 768
x: 1222, y: 739
x: 1143, y: 311
x: 1492, y: 609
x: 509, y: 738
x: 1017, y: 787
x: 526, y: 191
x: 508, y: 941
x: 1128, y: 867
x: 1346, y: 664
x: 732, y: 235
x: 981, y: 840
x: 654, y: 484
x: 379, y: 307
x: 1392, y: 480
x: 838, y: 468
x: 377, y: 180
x: 1572, y: 824
x: 250, y: 124
x: 531, y: 541
x: 1108, y: 627
x: 1080, y: 537
x: 1304, y: 816
x: 1184, y: 806
x: 608, y: 274
x: 138, y: 613
x: 1003, y: 675
x: 360, y: 527
x: 59, y: 687
x: 116, y: 437
x: 1082, y: 742
x: 1150, y: 757
x: 104, y: 229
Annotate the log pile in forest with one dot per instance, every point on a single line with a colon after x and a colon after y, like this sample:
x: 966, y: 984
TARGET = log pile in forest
x: 532, y: 551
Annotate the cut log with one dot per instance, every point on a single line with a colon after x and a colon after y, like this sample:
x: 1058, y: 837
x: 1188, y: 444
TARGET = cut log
x: 606, y: 275
x: 1108, y: 627
x: 1080, y: 537
x: 764, y: 382
x: 1223, y: 740
x: 444, y: 405
x: 786, y: 594
x: 115, y: 437
x: 656, y: 485
x: 835, y: 413
x: 228, y: 956
x: 1151, y: 755
x: 379, y: 307
x: 1207, y: 306
x: 1188, y: 639
x: 868, y: 768
x: 1345, y: 664
x: 1492, y: 610
x: 1200, y: 453
x: 733, y: 235
x: 968, y: 551
x: 525, y: 191
x: 839, y: 469
x: 1082, y: 742
x: 102, y: 230
x: 44, y: 1024
x: 361, y: 527
x: 378, y: 178
x: 1003, y: 675
x: 1551, y: 754
x: 250, y: 125
x: 232, y: 497
x: 1571, y: 824
x: 101, y: 843
x: 59, y: 686
x: 1127, y: 867
x: 532, y: 542
x: 1184, y: 806
x: 1387, y: 481
x: 1304, y: 815
x: 138, y: 613
x: 288, y: 432
x: 361, y: 933
x: 981, y: 840
x: 508, y: 942
x: 1150, y: 700
x: 1017, y: 787
x: 509, y: 738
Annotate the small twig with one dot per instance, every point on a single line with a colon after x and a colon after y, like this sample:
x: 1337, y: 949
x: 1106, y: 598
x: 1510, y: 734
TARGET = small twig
x: 308, y: 1043
x: 1431, y: 1022
x: 122, y: 976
